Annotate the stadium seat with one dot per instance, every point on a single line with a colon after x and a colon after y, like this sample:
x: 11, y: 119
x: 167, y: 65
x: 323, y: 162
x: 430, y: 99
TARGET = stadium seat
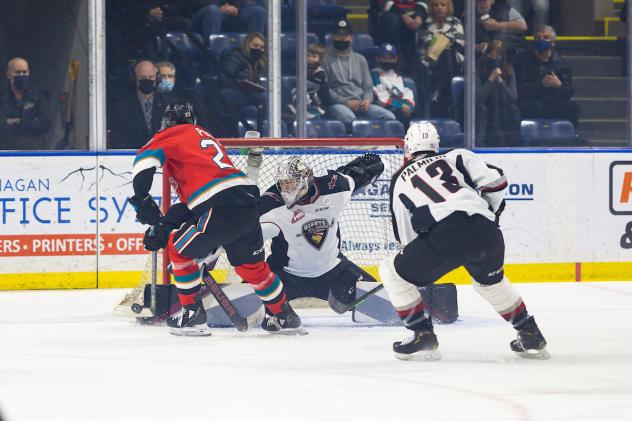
x: 264, y: 130
x: 187, y: 52
x: 458, y: 86
x: 377, y: 128
x: 289, y: 42
x: 449, y: 131
x: 547, y: 132
x: 322, y: 15
x: 226, y: 41
x: 323, y: 128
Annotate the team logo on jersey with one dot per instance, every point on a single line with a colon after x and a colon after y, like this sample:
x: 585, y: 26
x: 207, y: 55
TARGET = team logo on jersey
x: 332, y: 182
x: 298, y: 214
x: 315, y: 232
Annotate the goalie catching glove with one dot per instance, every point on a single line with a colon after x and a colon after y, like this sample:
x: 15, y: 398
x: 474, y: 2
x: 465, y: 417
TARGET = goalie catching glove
x: 364, y: 169
x: 147, y: 211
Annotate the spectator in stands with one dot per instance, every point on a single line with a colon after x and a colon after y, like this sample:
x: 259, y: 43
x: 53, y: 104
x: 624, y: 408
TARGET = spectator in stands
x: 350, y: 85
x: 495, y: 19
x: 174, y: 92
x: 317, y: 88
x: 388, y: 85
x: 137, y: 115
x: 24, y: 118
x: 497, y: 115
x: 230, y: 15
x: 399, y: 21
x: 539, y: 10
x: 441, y: 45
x: 242, y: 70
x: 545, y: 85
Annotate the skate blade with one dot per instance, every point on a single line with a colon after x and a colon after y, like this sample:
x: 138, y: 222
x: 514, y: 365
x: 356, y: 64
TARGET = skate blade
x: 432, y: 355
x: 190, y: 331
x: 534, y: 354
x: 299, y: 331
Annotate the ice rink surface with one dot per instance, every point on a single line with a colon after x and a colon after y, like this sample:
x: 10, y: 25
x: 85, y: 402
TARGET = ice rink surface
x: 65, y: 356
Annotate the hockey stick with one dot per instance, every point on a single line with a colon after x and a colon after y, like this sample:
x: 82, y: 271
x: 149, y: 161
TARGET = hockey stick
x: 240, y: 322
x: 340, y: 307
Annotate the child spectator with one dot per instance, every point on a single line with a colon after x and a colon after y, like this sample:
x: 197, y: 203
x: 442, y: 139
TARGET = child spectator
x: 388, y: 85
x: 317, y: 89
x: 497, y: 115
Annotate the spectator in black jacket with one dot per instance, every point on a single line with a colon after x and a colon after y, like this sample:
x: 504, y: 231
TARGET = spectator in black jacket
x: 399, y: 20
x: 137, y: 116
x: 242, y: 70
x: 545, y: 84
x: 24, y: 118
x: 497, y: 113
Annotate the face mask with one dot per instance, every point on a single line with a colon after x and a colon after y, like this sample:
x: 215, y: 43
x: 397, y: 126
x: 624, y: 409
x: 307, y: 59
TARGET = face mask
x: 341, y: 45
x: 166, y: 86
x: 493, y: 63
x: 21, y: 82
x: 146, y: 86
x: 389, y: 66
x: 542, y: 45
x: 312, y: 66
x: 255, y: 54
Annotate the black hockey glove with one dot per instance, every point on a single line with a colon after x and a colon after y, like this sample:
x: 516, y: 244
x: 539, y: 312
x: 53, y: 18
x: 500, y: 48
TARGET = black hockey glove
x: 499, y: 211
x: 147, y: 211
x: 364, y: 169
x: 156, y: 237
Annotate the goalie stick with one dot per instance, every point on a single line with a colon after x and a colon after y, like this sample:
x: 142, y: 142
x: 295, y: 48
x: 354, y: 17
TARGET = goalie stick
x: 240, y: 322
x: 340, y: 307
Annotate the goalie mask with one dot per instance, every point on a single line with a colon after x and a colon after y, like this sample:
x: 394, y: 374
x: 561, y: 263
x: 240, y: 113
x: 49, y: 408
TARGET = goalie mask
x: 293, y: 180
x: 421, y: 137
x: 178, y: 113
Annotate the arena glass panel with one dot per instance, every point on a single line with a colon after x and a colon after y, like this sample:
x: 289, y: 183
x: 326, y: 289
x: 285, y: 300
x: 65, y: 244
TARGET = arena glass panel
x: 546, y: 79
x: 45, y: 96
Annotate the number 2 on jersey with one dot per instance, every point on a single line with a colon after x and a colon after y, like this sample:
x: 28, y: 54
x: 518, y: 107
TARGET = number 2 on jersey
x: 205, y: 143
x: 444, y: 171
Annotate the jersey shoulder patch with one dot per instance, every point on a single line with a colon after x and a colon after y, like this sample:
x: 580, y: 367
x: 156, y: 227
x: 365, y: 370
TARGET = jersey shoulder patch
x: 271, y: 199
x: 333, y: 182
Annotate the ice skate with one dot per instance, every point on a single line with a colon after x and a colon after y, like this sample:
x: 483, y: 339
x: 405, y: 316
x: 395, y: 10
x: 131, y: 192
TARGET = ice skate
x: 422, y: 346
x: 530, y: 342
x: 286, y: 322
x: 189, y: 321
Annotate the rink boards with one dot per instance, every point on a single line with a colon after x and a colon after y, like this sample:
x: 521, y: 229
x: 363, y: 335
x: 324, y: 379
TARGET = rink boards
x: 66, y: 222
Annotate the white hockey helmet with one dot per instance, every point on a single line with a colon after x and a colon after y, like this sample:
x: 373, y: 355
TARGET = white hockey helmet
x: 293, y: 179
x: 421, y: 137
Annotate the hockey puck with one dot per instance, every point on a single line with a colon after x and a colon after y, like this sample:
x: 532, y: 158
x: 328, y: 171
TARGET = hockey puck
x: 137, y: 308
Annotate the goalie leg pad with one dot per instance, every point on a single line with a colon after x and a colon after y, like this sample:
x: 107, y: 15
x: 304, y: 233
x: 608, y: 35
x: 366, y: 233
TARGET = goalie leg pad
x: 505, y: 300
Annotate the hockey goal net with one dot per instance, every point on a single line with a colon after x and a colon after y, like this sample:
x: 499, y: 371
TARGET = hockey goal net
x: 366, y: 234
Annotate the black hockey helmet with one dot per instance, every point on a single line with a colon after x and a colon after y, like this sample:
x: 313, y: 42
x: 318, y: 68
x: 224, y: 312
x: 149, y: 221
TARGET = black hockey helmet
x: 178, y: 113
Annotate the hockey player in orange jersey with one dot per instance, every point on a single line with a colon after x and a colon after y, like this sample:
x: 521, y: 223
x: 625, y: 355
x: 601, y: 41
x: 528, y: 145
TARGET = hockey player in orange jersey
x: 218, y: 207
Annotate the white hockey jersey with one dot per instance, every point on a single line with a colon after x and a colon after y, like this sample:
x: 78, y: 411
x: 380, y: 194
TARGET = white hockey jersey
x: 306, y: 237
x: 458, y: 180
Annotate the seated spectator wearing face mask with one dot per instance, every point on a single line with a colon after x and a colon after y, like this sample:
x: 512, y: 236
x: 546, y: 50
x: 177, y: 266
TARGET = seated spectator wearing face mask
x: 350, y: 83
x: 137, y: 115
x: 497, y: 115
x: 545, y: 82
x: 242, y: 70
x: 24, y: 118
x: 174, y: 92
x: 388, y: 85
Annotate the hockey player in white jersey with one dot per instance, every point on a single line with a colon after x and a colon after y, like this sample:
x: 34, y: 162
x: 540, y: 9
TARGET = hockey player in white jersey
x: 300, y: 213
x: 445, y: 209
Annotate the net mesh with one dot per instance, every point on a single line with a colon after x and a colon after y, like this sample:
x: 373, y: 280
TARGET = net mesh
x: 366, y: 234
